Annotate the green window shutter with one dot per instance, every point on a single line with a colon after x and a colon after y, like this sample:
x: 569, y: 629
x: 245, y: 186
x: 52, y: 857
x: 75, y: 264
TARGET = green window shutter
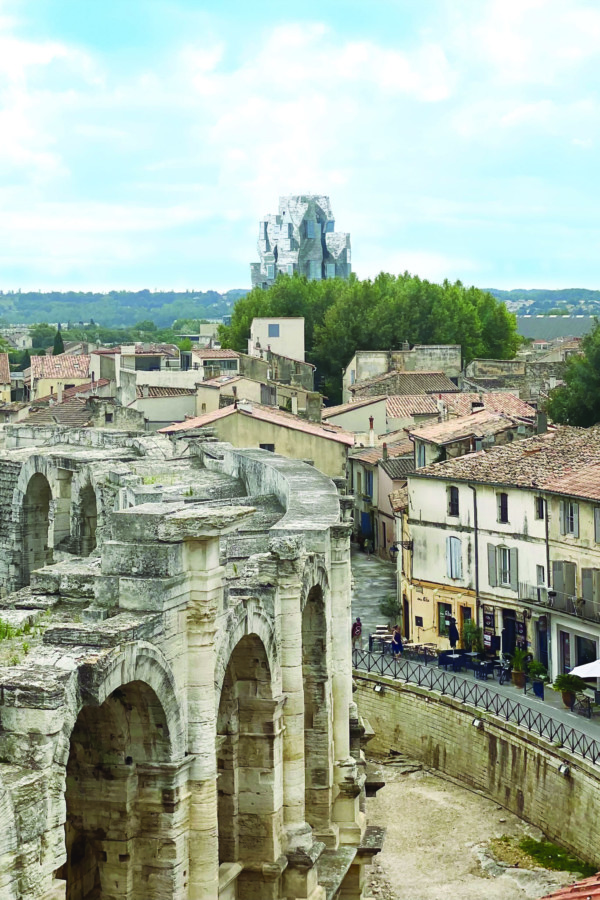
x: 514, y: 570
x: 492, y: 567
x: 587, y: 584
x: 558, y: 580
x: 562, y: 516
x: 596, y: 582
x: 570, y: 572
x: 597, y: 524
x: 576, y: 519
x: 449, y: 557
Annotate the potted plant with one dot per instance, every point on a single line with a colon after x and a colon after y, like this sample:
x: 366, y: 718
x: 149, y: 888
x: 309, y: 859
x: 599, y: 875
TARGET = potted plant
x: 568, y: 686
x: 519, y: 667
x: 538, y: 673
x: 471, y: 637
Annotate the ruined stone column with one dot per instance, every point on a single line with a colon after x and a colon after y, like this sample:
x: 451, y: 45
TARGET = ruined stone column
x: 346, y: 813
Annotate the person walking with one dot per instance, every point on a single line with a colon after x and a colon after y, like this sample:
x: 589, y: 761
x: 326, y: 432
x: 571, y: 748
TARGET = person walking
x: 453, y: 635
x: 357, y: 634
x: 397, y: 645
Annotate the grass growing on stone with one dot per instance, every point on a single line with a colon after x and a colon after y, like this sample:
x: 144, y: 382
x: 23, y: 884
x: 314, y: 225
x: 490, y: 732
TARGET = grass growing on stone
x: 550, y: 856
x: 527, y: 853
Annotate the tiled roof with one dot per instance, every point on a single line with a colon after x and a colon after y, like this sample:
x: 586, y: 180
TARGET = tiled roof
x: 264, y: 414
x: 409, y: 383
x: 155, y: 391
x: 4, y: 369
x: 74, y: 413
x: 584, y: 483
x: 588, y: 889
x: 330, y: 411
x: 61, y: 366
x: 374, y: 454
x: 399, y: 499
x: 399, y: 467
x: 500, y: 402
x: 77, y: 390
x: 545, y: 459
x: 221, y: 380
x: 478, y: 424
x: 215, y: 354
x: 404, y: 406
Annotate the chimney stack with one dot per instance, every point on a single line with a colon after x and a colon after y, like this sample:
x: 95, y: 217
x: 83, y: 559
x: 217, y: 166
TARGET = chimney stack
x: 59, y: 392
x: 371, y: 432
x: 385, y: 451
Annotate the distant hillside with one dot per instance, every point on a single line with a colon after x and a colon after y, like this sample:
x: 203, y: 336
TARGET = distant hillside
x: 115, y: 308
x: 574, y: 301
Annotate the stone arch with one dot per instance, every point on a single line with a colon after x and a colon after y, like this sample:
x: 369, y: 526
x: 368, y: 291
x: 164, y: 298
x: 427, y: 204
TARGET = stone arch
x: 247, y: 618
x: 318, y: 723
x: 37, y: 549
x: 89, y: 512
x: 250, y: 769
x: 123, y: 750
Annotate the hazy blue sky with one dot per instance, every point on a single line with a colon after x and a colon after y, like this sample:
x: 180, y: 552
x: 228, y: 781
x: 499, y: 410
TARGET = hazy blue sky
x: 141, y: 140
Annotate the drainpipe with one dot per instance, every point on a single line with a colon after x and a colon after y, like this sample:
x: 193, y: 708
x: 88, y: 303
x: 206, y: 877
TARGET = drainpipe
x: 550, y: 585
x: 371, y: 432
x: 476, y: 536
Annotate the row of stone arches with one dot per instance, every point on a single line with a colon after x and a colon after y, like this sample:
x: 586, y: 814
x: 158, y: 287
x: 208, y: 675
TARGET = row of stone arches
x: 53, y: 511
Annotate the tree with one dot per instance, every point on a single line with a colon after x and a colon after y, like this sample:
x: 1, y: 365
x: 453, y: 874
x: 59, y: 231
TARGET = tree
x: 577, y: 401
x: 42, y: 335
x: 59, y: 344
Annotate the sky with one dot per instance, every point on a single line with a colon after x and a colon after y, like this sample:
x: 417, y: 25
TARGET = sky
x: 142, y: 140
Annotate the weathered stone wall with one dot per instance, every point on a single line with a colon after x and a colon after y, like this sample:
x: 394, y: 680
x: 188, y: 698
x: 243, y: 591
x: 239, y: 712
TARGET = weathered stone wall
x: 526, y: 379
x: 514, y: 767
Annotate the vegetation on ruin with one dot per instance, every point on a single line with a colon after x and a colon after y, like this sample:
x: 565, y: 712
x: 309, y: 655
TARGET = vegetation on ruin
x: 577, y: 400
x: 527, y: 853
x: 343, y: 316
x: 391, y: 608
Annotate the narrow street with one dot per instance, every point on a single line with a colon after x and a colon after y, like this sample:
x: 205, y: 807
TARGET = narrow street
x: 372, y: 580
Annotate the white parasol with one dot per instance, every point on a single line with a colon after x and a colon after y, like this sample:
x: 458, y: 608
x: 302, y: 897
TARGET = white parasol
x: 589, y: 670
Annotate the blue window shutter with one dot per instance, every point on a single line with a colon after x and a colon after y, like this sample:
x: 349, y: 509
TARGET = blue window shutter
x: 449, y: 557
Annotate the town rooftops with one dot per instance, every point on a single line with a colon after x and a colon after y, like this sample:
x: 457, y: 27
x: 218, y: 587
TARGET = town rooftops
x: 263, y: 414
x: 372, y: 455
x: 398, y: 467
x: 73, y: 412
x: 478, y: 424
x: 61, y: 366
x: 399, y: 499
x: 76, y: 391
x: 499, y: 402
x: 220, y: 381
x: 154, y: 392
x: 405, y: 406
x: 211, y: 353
x: 547, y: 461
x: 410, y: 382
x: 4, y: 369
x: 588, y: 889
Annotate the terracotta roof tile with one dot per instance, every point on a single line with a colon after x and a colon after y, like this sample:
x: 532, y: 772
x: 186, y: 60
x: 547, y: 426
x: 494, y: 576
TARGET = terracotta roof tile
x: 409, y: 383
x: 264, y: 414
x: 500, y: 401
x: 588, y: 889
x: 330, y: 411
x: 545, y: 461
x: 404, y: 406
x: 374, y: 454
x: 156, y: 391
x: 4, y: 369
x: 77, y: 390
x: 74, y: 413
x: 478, y: 424
x: 215, y: 354
x: 61, y: 366
x: 399, y: 467
x: 399, y: 499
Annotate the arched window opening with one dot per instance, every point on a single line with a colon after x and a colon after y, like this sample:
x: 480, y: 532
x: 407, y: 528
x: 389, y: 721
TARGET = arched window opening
x: 36, y: 522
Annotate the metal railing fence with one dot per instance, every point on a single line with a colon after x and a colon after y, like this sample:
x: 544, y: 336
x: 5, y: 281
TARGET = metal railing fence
x: 482, y: 697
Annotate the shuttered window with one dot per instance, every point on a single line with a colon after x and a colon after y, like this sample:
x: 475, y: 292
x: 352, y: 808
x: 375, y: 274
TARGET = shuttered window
x: 503, y: 567
x: 453, y: 557
x: 502, y: 507
x: 569, y: 517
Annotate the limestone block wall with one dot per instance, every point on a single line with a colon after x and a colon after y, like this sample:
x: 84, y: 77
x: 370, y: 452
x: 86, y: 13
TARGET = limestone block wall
x: 507, y: 763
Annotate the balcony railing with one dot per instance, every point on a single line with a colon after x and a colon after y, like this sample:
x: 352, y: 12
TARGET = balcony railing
x: 559, y: 601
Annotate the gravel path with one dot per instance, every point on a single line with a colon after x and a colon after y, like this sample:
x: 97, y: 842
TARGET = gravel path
x: 437, y: 843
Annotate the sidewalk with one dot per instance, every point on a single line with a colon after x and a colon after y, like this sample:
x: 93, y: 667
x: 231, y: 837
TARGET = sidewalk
x: 373, y: 579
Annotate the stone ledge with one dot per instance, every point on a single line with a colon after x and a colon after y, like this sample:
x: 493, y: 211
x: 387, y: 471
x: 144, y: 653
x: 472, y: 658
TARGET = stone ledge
x: 119, y: 629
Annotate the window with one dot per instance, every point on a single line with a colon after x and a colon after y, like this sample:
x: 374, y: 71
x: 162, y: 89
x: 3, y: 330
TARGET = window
x: 503, y: 567
x: 453, y: 557
x: 330, y: 226
x: 314, y: 269
x: 383, y: 535
x: 569, y: 517
x: 358, y: 483
x: 271, y: 270
x: 330, y: 270
x: 108, y: 417
x: 444, y: 616
x: 564, y: 576
x: 369, y: 483
x: 502, y: 507
x: 290, y: 268
x: 539, y: 507
x: 590, y: 585
x: 270, y: 447
x: 540, y: 574
x: 273, y: 329
x: 420, y: 455
x: 204, y: 407
x: 310, y: 228
x: 452, y: 501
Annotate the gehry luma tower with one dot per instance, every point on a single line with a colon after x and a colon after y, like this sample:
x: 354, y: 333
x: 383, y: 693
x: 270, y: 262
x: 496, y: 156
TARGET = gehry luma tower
x: 301, y: 238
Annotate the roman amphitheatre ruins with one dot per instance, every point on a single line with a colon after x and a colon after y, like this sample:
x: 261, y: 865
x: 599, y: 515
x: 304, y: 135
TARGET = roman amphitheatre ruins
x: 181, y: 722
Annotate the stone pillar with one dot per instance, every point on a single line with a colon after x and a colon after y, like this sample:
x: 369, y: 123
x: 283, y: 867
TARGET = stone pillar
x: 302, y: 850
x: 346, y: 812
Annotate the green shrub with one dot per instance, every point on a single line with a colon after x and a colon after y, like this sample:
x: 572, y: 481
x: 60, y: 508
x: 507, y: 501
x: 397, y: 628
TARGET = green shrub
x: 537, y: 669
x: 519, y: 660
x: 567, y: 682
x: 472, y: 636
x: 391, y: 608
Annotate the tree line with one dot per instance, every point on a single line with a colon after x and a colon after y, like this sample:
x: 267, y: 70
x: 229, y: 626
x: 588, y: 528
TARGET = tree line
x: 342, y: 317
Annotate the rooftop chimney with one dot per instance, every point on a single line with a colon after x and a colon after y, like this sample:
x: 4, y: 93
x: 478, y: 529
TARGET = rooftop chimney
x: 385, y: 451
x: 371, y: 432
x: 145, y: 390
